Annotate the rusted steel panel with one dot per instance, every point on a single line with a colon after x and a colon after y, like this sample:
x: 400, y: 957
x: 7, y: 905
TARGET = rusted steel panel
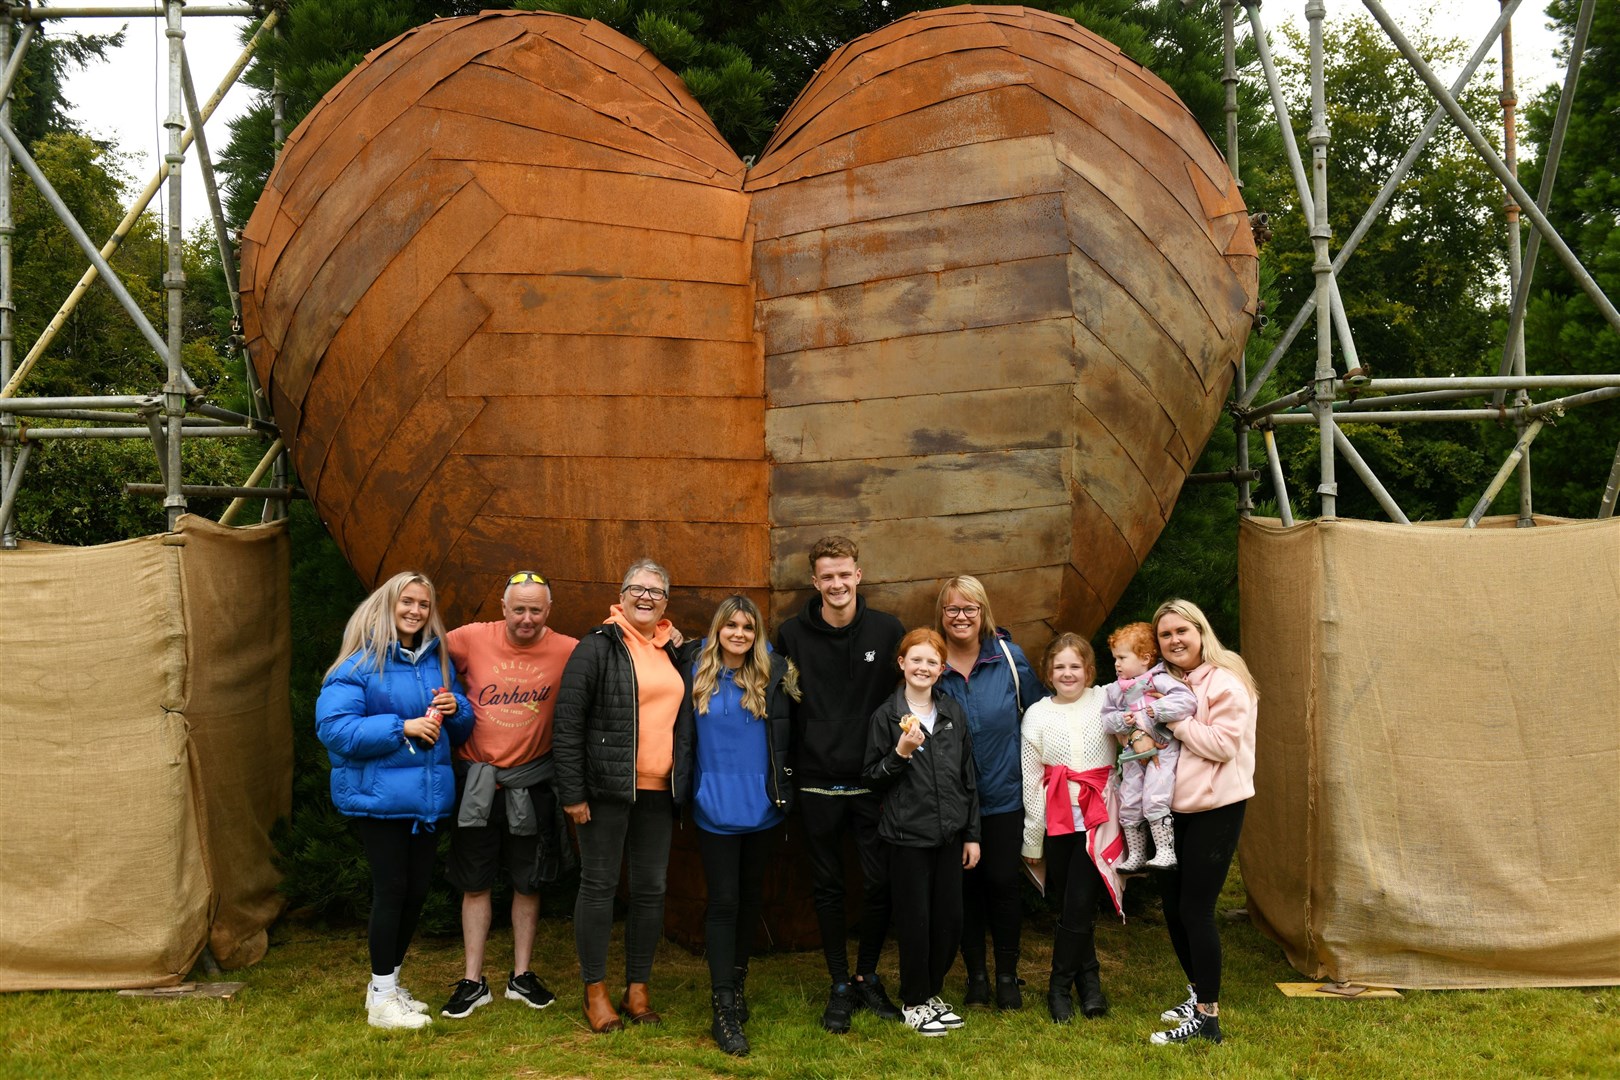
x: 611, y: 488
x: 547, y: 245
x: 1018, y: 597
x: 628, y: 307
x: 623, y: 427
x: 645, y: 202
x: 1011, y: 418
x: 938, y: 484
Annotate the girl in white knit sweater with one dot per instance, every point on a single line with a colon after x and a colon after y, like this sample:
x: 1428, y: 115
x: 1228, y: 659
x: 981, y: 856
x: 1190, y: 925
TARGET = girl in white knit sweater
x: 1071, y: 817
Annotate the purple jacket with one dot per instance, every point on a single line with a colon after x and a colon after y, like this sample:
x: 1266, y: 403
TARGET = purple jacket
x: 1155, y: 693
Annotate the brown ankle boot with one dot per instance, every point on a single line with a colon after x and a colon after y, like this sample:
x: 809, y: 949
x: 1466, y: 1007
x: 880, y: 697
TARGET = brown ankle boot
x: 636, y: 1007
x: 599, y: 1010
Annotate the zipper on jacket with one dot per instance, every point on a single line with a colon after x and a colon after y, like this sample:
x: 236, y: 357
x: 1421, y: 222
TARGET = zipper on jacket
x: 635, y: 721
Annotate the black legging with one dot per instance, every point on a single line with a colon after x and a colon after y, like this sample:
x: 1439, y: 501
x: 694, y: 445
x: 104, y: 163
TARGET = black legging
x: 993, y: 894
x: 401, y: 870
x: 734, y: 872
x: 1205, y: 843
x: 1074, y: 885
x: 927, y: 888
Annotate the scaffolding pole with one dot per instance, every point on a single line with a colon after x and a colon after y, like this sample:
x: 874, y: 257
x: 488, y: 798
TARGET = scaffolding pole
x: 1520, y: 449
x: 9, y: 470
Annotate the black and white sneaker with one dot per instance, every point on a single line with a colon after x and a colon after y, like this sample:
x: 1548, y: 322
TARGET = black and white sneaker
x: 1197, y: 1026
x: 1181, y: 1012
x: 944, y: 1013
x: 923, y: 1020
x: 466, y: 996
x: 529, y: 990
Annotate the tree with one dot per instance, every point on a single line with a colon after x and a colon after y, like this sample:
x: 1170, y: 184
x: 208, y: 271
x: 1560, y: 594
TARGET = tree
x: 1564, y: 333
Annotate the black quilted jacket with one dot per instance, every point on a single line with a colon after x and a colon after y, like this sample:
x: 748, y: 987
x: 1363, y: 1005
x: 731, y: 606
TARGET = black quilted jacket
x: 594, y: 732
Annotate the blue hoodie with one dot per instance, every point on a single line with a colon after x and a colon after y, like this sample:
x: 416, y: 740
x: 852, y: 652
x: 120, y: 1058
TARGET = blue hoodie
x: 733, y: 764
x: 360, y: 719
x: 994, y: 716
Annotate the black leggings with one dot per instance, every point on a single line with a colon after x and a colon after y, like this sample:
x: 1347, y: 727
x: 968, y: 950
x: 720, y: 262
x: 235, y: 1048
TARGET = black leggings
x: 1074, y: 885
x: 734, y: 872
x: 927, y: 885
x: 401, y: 870
x: 1205, y: 843
x: 993, y: 894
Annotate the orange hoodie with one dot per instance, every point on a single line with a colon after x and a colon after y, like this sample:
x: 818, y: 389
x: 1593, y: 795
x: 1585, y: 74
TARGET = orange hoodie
x: 1216, y: 767
x: 659, y: 692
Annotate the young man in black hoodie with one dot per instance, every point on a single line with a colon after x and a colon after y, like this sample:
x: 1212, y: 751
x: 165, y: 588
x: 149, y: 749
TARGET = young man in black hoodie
x: 845, y: 654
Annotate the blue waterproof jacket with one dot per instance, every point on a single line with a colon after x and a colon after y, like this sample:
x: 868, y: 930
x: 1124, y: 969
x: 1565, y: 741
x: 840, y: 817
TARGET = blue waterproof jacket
x: 994, y: 715
x: 360, y: 719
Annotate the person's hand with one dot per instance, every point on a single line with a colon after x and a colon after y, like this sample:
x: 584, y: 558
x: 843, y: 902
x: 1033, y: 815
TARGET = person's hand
x: 579, y: 813
x: 425, y: 728
x: 970, y: 855
x: 445, y: 702
x: 909, y: 741
x: 1033, y: 862
x: 675, y: 636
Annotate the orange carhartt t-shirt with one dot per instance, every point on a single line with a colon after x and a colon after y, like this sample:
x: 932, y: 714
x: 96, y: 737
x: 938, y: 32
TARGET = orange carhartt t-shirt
x: 659, y: 692
x: 513, y: 690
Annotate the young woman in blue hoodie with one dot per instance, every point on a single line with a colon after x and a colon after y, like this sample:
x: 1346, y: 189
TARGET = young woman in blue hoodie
x: 740, y: 697
x: 388, y: 713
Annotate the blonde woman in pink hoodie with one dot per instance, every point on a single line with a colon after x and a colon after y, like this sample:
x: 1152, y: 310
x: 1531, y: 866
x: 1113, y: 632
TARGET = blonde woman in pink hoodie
x: 1214, y: 781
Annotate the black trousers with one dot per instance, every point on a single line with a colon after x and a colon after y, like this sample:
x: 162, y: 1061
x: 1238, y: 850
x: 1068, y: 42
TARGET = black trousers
x: 993, y: 894
x: 636, y: 835
x: 401, y: 864
x: 826, y: 819
x: 1074, y: 886
x: 734, y: 873
x: 927, y: 887
x: 1205, y: 844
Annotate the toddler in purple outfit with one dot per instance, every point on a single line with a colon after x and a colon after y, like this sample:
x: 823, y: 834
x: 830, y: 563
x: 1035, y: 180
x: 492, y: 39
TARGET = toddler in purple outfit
x: 1140, y: 702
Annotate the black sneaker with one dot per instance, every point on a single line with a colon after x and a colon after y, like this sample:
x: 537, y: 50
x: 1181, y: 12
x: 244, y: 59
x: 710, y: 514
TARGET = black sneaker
x: 1197, y: 1026
x: 840, y: 1004
x: 529, y: 990
x: 870, y: 994
x: 466, y: 996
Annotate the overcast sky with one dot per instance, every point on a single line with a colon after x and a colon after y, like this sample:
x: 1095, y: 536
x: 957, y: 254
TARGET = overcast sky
x: 127, y: 98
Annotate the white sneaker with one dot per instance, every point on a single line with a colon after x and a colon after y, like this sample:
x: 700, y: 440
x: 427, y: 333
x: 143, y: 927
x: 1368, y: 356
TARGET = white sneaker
x: 921, y: 1019
x: 405, y: 996
x: 944, y: 1013
x: 1183, y: 1011
x: 391, y: 1011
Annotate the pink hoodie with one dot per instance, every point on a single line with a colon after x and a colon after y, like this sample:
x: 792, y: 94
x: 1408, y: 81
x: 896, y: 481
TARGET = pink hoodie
x: 1217, y: 756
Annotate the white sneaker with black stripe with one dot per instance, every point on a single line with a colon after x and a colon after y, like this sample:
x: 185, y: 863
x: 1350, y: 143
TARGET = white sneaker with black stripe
x: 944, y: 1013
x: 1197, y: 1026
x: 921, y: 1019
x: 1181, y: 1012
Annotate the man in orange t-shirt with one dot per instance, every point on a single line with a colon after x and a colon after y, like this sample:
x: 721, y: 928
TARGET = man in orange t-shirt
x: 504, y: 800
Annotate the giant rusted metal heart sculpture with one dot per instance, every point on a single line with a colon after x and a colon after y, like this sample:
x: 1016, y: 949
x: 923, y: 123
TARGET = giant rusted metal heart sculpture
x: 518, y: 304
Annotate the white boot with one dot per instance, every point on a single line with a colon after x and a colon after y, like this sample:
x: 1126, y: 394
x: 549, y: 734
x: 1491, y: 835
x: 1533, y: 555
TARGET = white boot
x: 1164, y: 844
x: 389, y: 1010
x: 1135, y: 848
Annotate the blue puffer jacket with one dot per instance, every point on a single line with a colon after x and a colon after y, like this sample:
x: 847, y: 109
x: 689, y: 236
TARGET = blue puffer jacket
x: 360, y: 719
x: 994, y: 715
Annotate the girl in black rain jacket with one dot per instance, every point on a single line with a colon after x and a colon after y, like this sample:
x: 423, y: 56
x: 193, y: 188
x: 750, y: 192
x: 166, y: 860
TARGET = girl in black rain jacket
x: 919, y: 758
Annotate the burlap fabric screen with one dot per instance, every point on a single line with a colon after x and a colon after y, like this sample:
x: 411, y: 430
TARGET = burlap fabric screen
x: 1437, y: 790
x: 145, y: 752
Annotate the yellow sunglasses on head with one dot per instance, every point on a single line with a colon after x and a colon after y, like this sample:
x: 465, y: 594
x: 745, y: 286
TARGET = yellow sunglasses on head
x: 526, y: 575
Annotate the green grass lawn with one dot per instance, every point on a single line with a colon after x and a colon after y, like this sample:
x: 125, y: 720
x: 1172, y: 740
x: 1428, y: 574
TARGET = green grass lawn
x: 301, y: 1015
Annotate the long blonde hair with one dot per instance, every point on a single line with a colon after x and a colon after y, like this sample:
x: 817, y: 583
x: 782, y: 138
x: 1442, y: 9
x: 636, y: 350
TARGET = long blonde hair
x: 1215, y: 653
x: 371, y: 628
x: 753, y: 677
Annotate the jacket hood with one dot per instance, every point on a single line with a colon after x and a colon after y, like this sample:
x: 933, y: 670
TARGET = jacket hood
x: 812, y: 617
x: 660, y: 635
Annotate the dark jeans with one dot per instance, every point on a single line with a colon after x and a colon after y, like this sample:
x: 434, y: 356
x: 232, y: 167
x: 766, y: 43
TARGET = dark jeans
x: 993, y: 894
x: 927, y: 885
x: 638, y: 834
x: 1205, y: 843
x: 827, y: 818
x: 401, y: 864
x: 734, y: 873
x: 1074, y: 886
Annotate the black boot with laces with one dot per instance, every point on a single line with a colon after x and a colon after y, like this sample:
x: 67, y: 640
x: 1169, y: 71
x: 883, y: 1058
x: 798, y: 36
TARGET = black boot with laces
x: 726, y: 1028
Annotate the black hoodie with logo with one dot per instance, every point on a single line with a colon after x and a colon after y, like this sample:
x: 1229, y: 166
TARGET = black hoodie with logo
x: 845, y: 672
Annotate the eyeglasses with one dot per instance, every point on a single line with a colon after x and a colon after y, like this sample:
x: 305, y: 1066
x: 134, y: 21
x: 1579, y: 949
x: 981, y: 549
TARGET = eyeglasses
x: 969, y: 612
x: 525, y: 575
x: 638, y: 591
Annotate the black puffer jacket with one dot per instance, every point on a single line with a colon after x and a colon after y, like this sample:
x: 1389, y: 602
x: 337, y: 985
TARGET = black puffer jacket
x: 933, y: 798
x: 594, y: 733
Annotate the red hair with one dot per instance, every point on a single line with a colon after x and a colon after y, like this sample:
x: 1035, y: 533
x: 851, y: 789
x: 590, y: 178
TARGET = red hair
x: 1137, y: 637
x: 922, y: 636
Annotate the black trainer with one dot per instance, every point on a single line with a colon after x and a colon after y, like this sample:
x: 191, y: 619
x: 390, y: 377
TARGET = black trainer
x: 871, y: 995
x: 528, y: 989
x: 466, y: 996
x: 1197, y: 1026
x: 840, y: 1004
